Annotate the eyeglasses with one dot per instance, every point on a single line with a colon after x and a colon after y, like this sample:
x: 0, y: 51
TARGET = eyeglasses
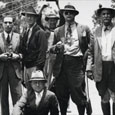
x: 69, y: 12
x: 8, y: 22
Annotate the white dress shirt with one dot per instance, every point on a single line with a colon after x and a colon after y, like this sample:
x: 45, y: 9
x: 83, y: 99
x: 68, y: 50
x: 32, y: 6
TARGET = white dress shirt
x: 30, y: 33
x: 6, y: 35
x: 73, y: 49
x: 106, y: 45
x: 38, y: 97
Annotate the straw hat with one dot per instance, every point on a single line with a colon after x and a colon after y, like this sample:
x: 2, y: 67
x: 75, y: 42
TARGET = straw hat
x: 105, y: 8
x: 69, y: 8
x: 37, y: 76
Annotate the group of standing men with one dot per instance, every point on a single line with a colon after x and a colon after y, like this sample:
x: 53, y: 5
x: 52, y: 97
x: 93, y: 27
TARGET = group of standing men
x: 77, y: 51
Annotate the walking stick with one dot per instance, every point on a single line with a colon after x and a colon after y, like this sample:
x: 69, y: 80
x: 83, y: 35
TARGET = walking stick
x: 88, y: 104
x: 0, y: 101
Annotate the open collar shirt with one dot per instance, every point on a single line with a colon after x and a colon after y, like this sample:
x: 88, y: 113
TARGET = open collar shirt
x: 38, y: 97
x: 106, y: 43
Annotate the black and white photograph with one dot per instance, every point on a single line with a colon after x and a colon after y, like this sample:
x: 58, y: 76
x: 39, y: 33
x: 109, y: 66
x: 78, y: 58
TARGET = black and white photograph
x: 57, y: 57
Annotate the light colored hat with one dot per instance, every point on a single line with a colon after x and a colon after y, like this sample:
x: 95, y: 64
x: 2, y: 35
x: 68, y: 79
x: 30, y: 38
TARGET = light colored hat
x: 69, y: 8
x: 37, y: 76
x: 105, y: 8
x: 31, y: 11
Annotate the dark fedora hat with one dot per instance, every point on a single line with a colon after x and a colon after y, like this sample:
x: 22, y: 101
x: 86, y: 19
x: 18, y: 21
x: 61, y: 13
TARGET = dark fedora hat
x: 37, y: 76
x: 105, y: 8
x: 31, y: 11
x: 69, y: 8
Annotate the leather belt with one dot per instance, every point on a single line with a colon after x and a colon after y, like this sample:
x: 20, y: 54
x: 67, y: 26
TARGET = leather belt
x: 68, y: 57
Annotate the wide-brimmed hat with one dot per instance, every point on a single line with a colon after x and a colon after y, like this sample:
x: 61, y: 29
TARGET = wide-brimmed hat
x: 105, y: 8
x: 52, y: 16
x: 37, y: 76
x: 30, y: 10
x: 69, y: 8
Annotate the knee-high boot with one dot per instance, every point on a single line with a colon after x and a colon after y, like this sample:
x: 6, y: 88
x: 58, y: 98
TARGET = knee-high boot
x: 81, y: 109
x: 113, y: 108
x: 105, y: 108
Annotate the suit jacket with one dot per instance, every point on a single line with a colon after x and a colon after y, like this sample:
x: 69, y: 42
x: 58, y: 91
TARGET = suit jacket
x: 15, y: 41
x: 47, y: 104
x: 94, y: 62
x: 34, y: 52
x: 59, y: 35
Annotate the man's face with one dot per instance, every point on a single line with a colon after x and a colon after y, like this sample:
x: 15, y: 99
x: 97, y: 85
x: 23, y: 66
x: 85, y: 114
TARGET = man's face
x: 30, y: 19
x: 52, y: 23
x: 37, y: 86
x: 8, y: 24
x: 69, y: 16
x: 106, y: 16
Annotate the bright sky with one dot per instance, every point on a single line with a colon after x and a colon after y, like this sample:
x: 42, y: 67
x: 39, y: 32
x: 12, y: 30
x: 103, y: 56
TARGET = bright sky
x: 86, y: 9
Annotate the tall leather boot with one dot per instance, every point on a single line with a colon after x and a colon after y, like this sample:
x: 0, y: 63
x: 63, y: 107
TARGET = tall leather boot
x: 105, y: 108
x: 81, y: 109
x: 113, y: 108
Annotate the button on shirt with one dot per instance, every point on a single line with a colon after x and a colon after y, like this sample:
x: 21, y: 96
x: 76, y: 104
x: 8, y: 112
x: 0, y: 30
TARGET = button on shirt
x: 73, y: 49
x: 38, y: 97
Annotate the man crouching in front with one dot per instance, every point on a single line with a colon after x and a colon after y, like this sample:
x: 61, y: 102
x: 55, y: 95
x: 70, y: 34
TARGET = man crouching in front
x: 37, y: 100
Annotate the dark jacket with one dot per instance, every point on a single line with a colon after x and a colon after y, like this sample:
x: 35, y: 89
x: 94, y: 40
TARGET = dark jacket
x: 34, y: 53
x: 47, y: 104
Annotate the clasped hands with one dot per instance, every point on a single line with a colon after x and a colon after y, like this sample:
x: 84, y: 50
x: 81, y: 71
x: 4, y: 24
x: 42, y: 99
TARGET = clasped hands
x: 60, y: 45
x: 9, y: 56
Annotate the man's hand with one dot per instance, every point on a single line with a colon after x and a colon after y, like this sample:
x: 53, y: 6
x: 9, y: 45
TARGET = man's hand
x: 15, y: 56
x: 59, y: 45
x: 89, y: 75
x: 4, y: 56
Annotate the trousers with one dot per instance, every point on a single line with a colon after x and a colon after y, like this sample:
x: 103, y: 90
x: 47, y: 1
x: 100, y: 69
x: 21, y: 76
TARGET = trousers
x: 71, y: 82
